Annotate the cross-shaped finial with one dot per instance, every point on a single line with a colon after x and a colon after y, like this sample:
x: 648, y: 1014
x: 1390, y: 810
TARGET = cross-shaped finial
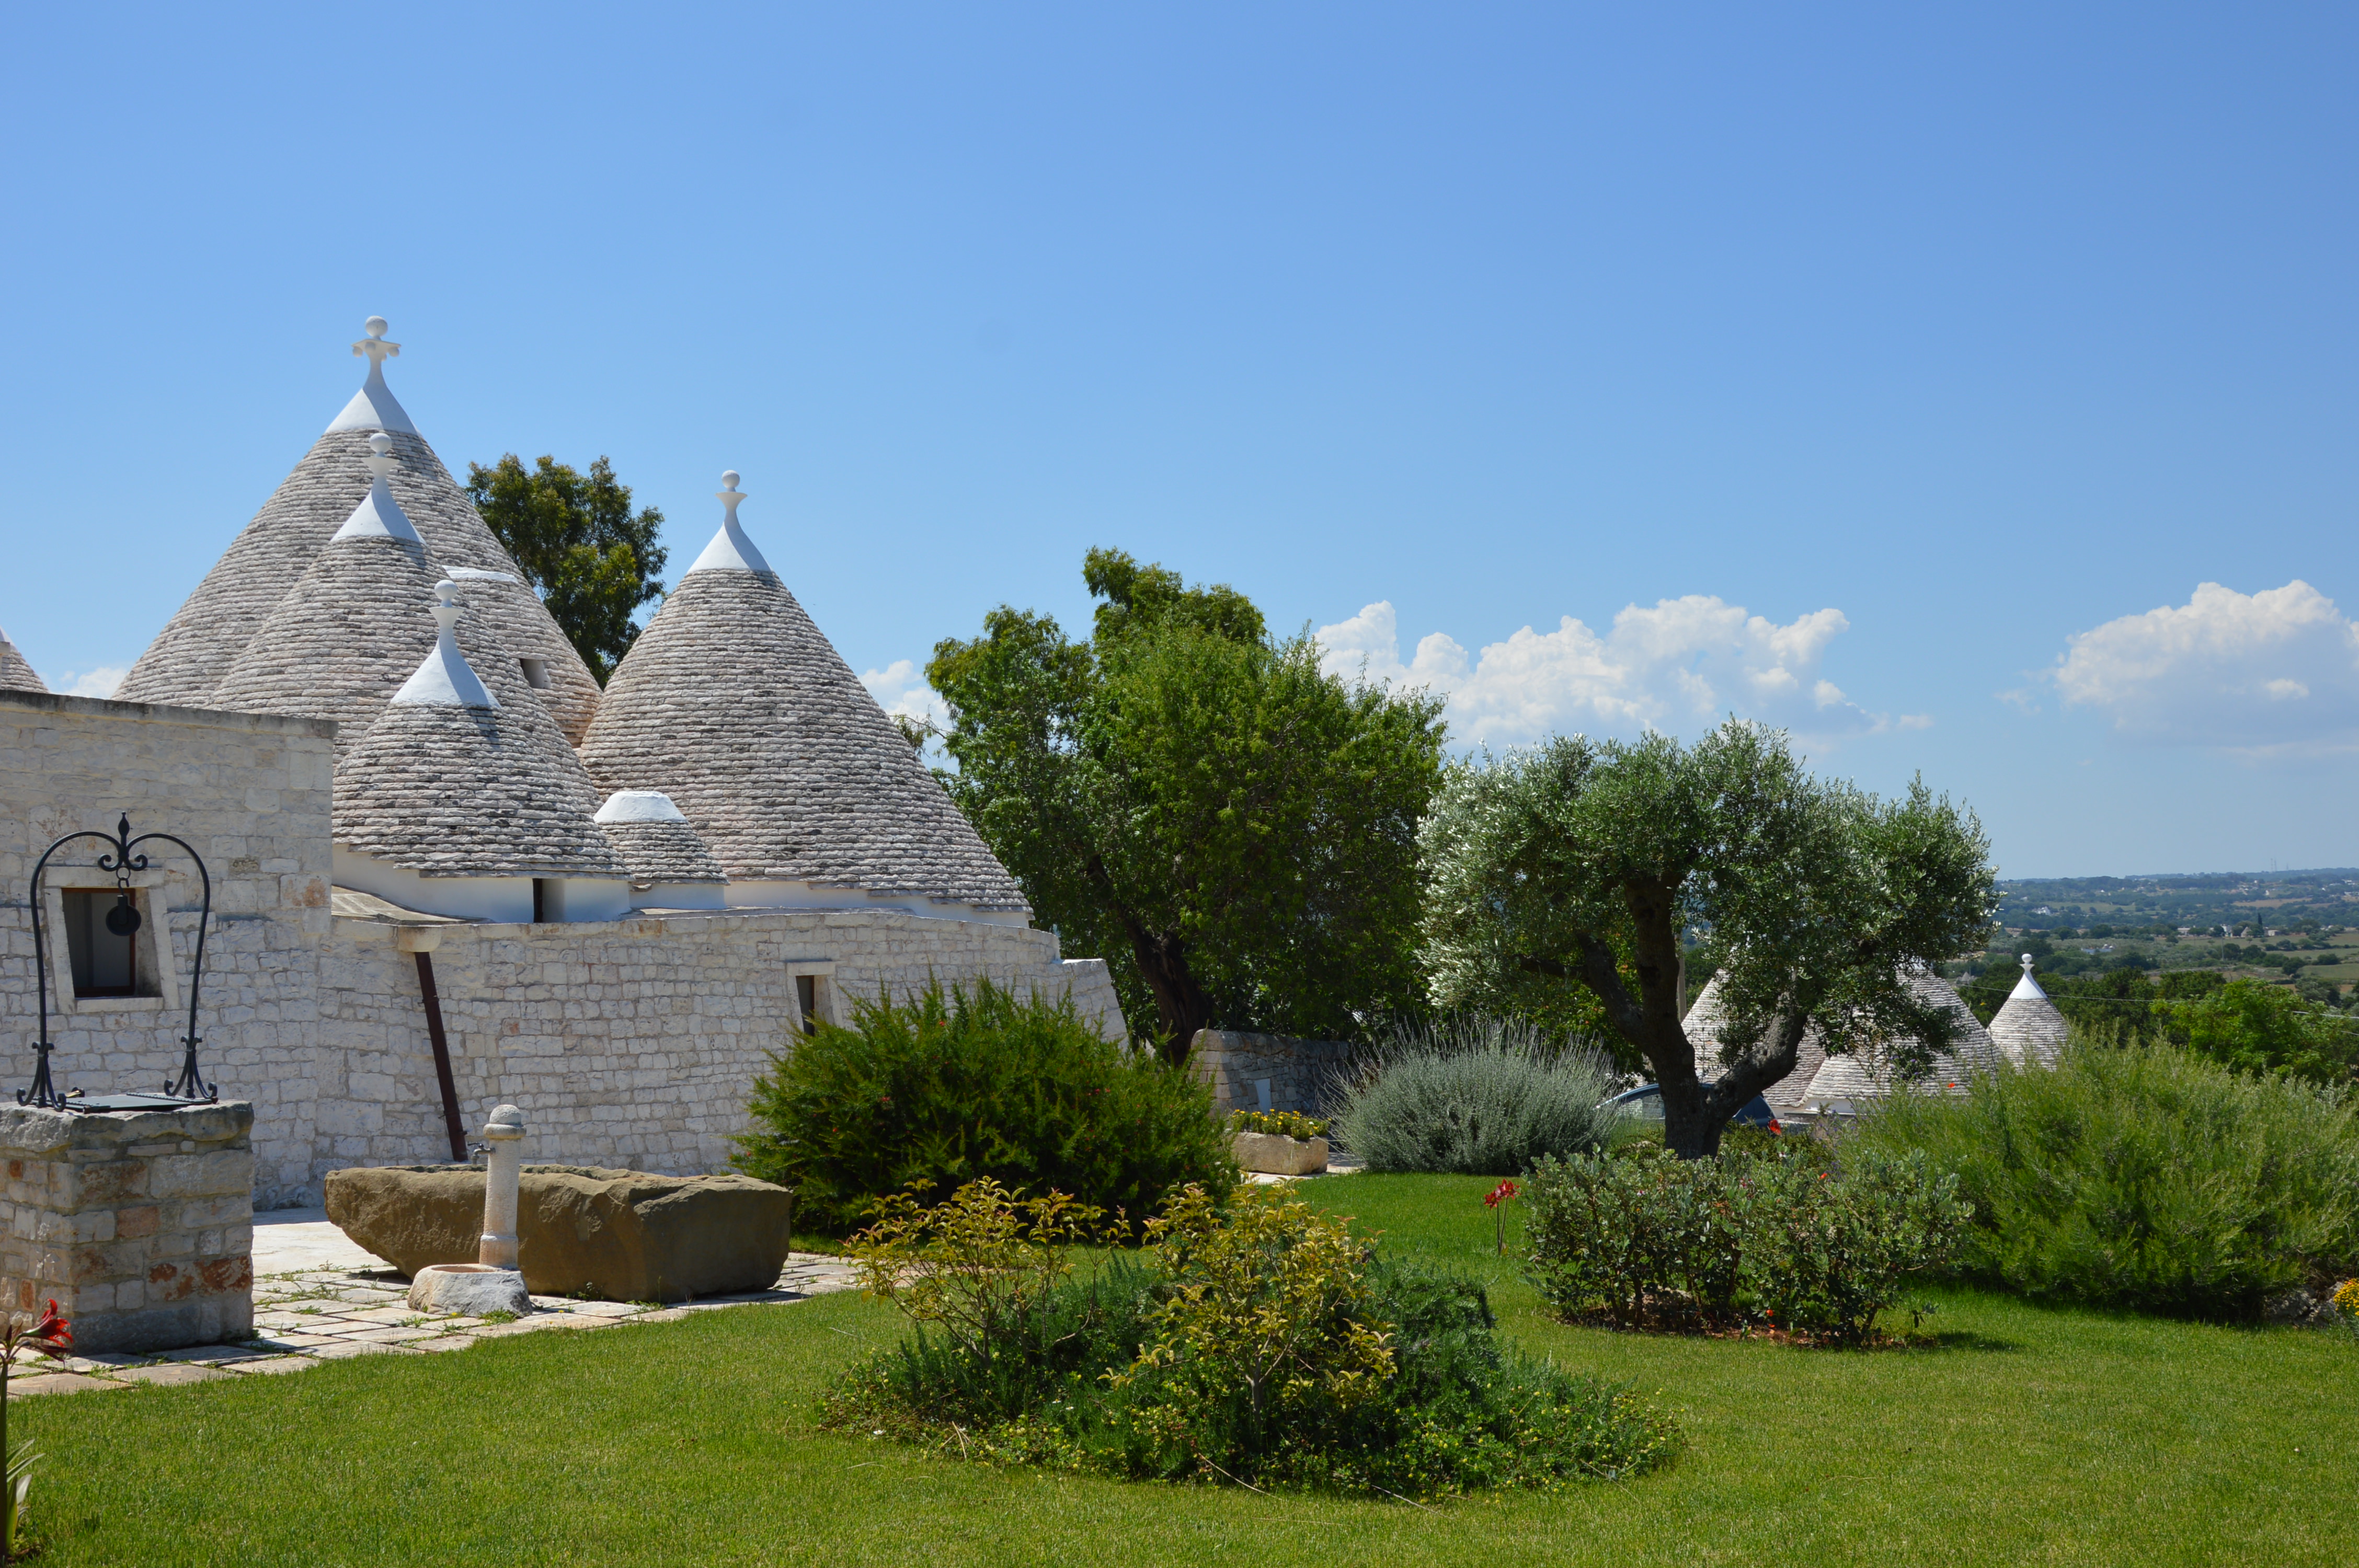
x: 375, y: 346
x: 728, y: 494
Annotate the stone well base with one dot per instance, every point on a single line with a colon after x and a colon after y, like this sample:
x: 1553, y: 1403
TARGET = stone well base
x: 140, y: 1224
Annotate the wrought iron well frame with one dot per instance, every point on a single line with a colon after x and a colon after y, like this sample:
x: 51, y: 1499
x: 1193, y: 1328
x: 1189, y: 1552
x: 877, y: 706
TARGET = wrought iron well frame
x: 190, y: 1087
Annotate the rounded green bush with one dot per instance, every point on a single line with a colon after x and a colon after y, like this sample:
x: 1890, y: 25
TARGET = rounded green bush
x: 2144, y: 1176
x: 944, y: 1087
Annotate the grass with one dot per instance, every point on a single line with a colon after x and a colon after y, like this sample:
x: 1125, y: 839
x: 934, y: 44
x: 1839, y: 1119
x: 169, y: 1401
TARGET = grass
x: 2022, y: 1434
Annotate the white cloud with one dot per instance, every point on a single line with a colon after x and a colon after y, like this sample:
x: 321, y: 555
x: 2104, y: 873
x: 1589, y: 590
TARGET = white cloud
x: 1685, y: 661
x: 99, y: 682
x: 2274, y: 671
x: 900, y: 688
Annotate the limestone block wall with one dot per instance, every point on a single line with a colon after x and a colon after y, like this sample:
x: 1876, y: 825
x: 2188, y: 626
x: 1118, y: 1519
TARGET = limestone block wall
x: 1234, y: 1063
x: 628, y: 1043
x: 251, y: 792
x: 140, y: 1225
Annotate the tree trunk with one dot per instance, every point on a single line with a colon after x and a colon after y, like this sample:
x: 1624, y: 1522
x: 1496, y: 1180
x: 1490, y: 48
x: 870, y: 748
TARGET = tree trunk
x: 1182, y: 1007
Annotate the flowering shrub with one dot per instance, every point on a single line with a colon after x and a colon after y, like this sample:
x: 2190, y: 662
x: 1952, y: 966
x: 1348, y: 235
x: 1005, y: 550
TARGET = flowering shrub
x: 1718, y: 1243
x: 1256, y: 1342
x: 2346, y: 1304
x: 1285, y: 1123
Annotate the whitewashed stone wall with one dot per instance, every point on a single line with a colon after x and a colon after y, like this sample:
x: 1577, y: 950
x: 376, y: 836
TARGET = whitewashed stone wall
x: 251, y: 792
x: 628, y: 1043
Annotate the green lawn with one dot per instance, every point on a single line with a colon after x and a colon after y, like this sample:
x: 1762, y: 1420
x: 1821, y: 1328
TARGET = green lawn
x: 2026, y: 1435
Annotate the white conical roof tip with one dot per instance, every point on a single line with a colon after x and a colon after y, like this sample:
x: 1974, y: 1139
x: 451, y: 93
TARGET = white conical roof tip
x: 731, y: 550
x: 446, y: 679
x: 378, y: 515
x: 2027, y: 987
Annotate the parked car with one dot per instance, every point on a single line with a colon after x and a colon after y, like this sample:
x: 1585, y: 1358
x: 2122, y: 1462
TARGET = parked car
x: 1646, y: 1103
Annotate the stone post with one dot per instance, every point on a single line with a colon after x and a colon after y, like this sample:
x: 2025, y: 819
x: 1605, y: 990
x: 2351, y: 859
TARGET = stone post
x: 503, y: 1173
x: 139, y: 1223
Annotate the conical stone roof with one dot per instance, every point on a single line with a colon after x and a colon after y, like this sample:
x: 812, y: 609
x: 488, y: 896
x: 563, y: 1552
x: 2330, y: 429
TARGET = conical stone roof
x: 1703, y: 1024
x: 656, y: 840
x: 1867, y: 1075
x: 186, y: 662
x: 446, y: 784
x: 2028, y: 1030
x: 344, y: 638
x: 15, y: 674
x: 734, y: 705
x: 1817, y: 1077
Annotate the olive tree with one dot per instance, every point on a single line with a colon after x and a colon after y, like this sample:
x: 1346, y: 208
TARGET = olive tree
x: 1580, y: 863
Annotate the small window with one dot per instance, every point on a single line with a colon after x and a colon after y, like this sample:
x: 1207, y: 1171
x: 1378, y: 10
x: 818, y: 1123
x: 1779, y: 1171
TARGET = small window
x: 807, y: 998
x: 540, y: 900
x: 106, y: 962
x: 535, y: 673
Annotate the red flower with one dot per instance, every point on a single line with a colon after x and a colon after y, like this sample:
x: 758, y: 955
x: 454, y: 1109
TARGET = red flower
x: 52, y: 1332
x: 1499, y: 1193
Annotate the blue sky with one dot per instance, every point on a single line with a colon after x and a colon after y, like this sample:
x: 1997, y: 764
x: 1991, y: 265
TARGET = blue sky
x: 1895, y: 374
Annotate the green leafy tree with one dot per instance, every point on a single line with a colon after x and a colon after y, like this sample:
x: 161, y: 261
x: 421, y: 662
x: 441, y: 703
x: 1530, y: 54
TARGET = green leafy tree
x: 2258, y: 1028
x: 1234, y: 830
x: 1579, y: 864
x: 590, y: 557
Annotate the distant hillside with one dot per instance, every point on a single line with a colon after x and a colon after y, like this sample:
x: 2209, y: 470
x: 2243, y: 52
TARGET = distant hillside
x: 2282, y: 898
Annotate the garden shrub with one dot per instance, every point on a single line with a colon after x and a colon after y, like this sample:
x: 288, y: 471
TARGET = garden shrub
x: 1482, y: 1100
x: 2144, y: 1176
x: 1257, y: 1342
x: 1777, y: 1238
x: 942, y: 1088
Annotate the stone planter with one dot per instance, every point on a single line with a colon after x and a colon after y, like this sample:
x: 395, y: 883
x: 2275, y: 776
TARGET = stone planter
x: 1275, y: 1154
x: 619, y: 1236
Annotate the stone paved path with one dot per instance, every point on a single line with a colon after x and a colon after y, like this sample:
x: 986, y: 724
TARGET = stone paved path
x: 319, y: 1297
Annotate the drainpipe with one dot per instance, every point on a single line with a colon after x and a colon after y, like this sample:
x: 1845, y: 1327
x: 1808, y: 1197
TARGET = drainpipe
x: 420, y: 942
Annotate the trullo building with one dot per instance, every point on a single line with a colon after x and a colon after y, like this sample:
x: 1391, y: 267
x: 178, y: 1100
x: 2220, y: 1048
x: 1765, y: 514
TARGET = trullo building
x: 442, y: 856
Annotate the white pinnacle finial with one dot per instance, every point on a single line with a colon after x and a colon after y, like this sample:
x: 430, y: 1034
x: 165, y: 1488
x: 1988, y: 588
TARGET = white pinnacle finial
x: 731, y: 550
x: 446, y: 679
x: 2027, y: 987
x: 378, y: 515
x: 2027, y: 963
x: 374, y: 406
x: 375, y: 346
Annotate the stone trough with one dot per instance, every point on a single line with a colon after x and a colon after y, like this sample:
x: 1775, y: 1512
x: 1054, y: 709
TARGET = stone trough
x: 622, y: 1235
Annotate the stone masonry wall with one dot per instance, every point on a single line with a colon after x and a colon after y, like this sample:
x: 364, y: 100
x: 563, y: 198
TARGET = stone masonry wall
x: 251, y: 792
x: 631, y: 1043
x: 140, y: 1225
x: 1298, y: 1070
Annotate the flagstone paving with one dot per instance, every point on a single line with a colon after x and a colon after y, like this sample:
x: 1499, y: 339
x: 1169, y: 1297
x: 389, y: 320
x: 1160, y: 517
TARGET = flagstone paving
x: 306, y: 1316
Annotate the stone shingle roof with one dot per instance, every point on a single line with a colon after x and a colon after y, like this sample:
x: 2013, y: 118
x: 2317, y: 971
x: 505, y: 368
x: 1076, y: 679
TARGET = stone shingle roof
x: 2028, y: 1030
x: 461, y: 792
x: 1818, y: 1077
x: 189, y: 657
x: 15, y: 674
x: 1703, y: 1023
x: 734, y: 704
x: 656, y: 840
x: 452, y: 791
x: 343, y: 639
